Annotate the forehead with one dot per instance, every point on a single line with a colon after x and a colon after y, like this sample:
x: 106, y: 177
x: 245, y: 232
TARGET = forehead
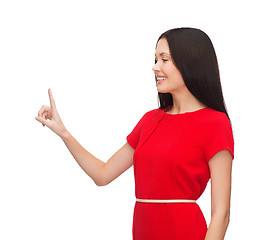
x: 162, y: 47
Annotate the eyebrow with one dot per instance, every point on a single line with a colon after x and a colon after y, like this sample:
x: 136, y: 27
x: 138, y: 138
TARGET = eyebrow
x: 163, y: 53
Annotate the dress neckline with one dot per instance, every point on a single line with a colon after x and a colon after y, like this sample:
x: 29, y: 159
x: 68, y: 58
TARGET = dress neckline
x: 182, y: 114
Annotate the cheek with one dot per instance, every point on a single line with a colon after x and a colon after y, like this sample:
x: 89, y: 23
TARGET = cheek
x: 173, y: 72
x: 169, y: 69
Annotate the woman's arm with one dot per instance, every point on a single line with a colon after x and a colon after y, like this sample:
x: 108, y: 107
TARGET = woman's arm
x: 220, y: 169
x: 102, y: 173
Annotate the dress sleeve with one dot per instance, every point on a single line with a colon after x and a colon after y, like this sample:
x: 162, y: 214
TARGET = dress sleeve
x: 219, y: 137
x: 134, y: 136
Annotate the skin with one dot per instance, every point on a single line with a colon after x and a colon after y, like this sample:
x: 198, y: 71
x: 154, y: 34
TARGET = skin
x: 103, y: 173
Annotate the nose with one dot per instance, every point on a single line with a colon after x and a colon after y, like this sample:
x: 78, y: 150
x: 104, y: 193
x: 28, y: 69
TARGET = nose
x: 156, y: 67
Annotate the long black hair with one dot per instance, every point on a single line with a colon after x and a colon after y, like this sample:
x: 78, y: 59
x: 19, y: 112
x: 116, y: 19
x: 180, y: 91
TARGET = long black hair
x: 194, y: 56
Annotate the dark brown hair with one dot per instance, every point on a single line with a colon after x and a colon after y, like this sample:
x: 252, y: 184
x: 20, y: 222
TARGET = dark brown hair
x: 194, y: 56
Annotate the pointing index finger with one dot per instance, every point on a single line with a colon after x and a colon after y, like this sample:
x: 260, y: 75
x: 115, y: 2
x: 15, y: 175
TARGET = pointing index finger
x: 52, y: 102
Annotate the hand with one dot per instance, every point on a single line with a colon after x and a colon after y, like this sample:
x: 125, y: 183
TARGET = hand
x: 51, y: 113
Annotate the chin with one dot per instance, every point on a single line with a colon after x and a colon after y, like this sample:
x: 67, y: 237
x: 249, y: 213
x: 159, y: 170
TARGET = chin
x: 163, y: 90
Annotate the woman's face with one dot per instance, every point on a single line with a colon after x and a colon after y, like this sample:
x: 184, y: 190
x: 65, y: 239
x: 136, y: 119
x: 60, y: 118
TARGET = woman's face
x: 168, y: 76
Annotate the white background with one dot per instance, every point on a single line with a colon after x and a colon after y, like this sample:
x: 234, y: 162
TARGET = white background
x: 96, y: 56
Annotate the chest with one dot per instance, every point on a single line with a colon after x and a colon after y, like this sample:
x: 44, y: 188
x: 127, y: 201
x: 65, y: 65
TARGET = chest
x: 171, y: 146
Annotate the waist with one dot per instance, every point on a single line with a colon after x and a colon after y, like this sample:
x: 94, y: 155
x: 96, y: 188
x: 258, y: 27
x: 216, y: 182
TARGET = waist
x: 166, y: 200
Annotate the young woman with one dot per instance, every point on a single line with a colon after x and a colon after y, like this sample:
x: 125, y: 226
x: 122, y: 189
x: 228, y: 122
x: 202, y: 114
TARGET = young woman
x: 174, y: 149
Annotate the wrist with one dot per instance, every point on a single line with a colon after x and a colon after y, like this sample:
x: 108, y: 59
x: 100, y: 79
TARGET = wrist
x: 65, y: 134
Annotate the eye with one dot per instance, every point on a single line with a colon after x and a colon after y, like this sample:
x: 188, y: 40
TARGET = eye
x: 164, y: 60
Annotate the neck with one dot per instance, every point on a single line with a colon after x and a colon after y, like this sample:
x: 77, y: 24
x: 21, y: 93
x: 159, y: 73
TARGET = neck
x: 185, y: 102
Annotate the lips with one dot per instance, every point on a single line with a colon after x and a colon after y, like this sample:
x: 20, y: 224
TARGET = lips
x: 160, y: 78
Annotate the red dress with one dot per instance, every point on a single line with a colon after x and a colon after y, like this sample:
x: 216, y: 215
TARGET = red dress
x: 171, y: 162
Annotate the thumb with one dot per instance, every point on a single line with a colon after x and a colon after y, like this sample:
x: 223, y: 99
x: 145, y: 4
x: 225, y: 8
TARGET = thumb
x: 42, y: 120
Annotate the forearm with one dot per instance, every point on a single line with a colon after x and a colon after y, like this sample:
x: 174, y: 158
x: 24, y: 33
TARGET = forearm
x: 91, y: 165
x: 217, y: 227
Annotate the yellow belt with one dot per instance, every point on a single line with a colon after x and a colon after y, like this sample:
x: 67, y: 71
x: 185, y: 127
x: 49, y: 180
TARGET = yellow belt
x: 166, y: 200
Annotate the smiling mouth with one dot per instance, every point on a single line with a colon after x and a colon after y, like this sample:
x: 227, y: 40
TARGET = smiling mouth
x: 161, y: 79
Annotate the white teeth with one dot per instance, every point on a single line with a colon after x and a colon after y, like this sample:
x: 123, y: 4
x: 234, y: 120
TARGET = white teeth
x: 159, y: 79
